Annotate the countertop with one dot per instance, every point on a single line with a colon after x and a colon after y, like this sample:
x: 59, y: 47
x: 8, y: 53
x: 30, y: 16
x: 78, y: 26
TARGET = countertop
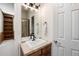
x: 26, y: 50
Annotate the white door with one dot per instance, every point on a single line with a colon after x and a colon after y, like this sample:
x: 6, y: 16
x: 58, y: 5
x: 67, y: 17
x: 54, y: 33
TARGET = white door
x: 66, y: 42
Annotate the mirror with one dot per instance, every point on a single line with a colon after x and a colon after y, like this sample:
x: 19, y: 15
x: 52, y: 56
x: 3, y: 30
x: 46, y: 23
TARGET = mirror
x: 27, y: 20
x: 31, y: 22
x: 38, y: 25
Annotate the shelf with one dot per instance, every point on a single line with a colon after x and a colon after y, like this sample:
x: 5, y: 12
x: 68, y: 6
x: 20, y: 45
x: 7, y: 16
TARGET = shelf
x: 8, y: 27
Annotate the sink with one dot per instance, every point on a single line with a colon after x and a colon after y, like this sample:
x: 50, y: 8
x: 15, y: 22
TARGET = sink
x: 35, y: 43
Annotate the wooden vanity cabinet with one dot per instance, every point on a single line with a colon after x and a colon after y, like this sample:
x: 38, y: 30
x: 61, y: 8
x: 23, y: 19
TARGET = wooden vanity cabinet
x: 37, y: 53
x: 45, y: 51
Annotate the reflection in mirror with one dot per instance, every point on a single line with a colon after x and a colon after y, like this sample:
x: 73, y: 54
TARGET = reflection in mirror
x: 32, y: 24
x: 25, y: 27
x: 45, y: 28
x: 27, y: 20
x: 37, y: 25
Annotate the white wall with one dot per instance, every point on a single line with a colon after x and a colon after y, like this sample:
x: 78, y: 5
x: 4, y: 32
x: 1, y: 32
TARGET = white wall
x: 1, y: 21
x: 17, y: 26
x: 7, y: 7
x: 8, y: 48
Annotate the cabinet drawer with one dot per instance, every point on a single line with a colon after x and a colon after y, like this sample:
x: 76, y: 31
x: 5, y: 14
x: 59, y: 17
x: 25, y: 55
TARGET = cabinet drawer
x: 46, y: 51
x: 37, y: 53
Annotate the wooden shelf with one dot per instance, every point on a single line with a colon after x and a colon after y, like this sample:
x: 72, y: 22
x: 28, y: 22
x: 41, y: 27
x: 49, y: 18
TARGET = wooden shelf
x: 8, y: 27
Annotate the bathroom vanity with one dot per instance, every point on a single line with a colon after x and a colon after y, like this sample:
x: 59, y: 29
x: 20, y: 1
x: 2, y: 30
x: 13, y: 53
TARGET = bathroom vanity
x: 32, y: 27
x: 43, y: 49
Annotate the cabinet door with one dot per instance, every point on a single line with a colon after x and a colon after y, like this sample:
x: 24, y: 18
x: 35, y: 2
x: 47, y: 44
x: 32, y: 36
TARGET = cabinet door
x: 37, y: 53
x: 46, y: 51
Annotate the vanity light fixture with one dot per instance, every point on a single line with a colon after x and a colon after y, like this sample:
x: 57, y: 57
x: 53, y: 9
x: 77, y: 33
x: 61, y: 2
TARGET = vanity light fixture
x: 26, y: 6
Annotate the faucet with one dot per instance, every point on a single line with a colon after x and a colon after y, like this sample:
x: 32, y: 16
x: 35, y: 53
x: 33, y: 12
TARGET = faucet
x: 32, y: 36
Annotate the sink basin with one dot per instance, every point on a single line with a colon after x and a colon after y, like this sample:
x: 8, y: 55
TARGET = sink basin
x: 35, y: 43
